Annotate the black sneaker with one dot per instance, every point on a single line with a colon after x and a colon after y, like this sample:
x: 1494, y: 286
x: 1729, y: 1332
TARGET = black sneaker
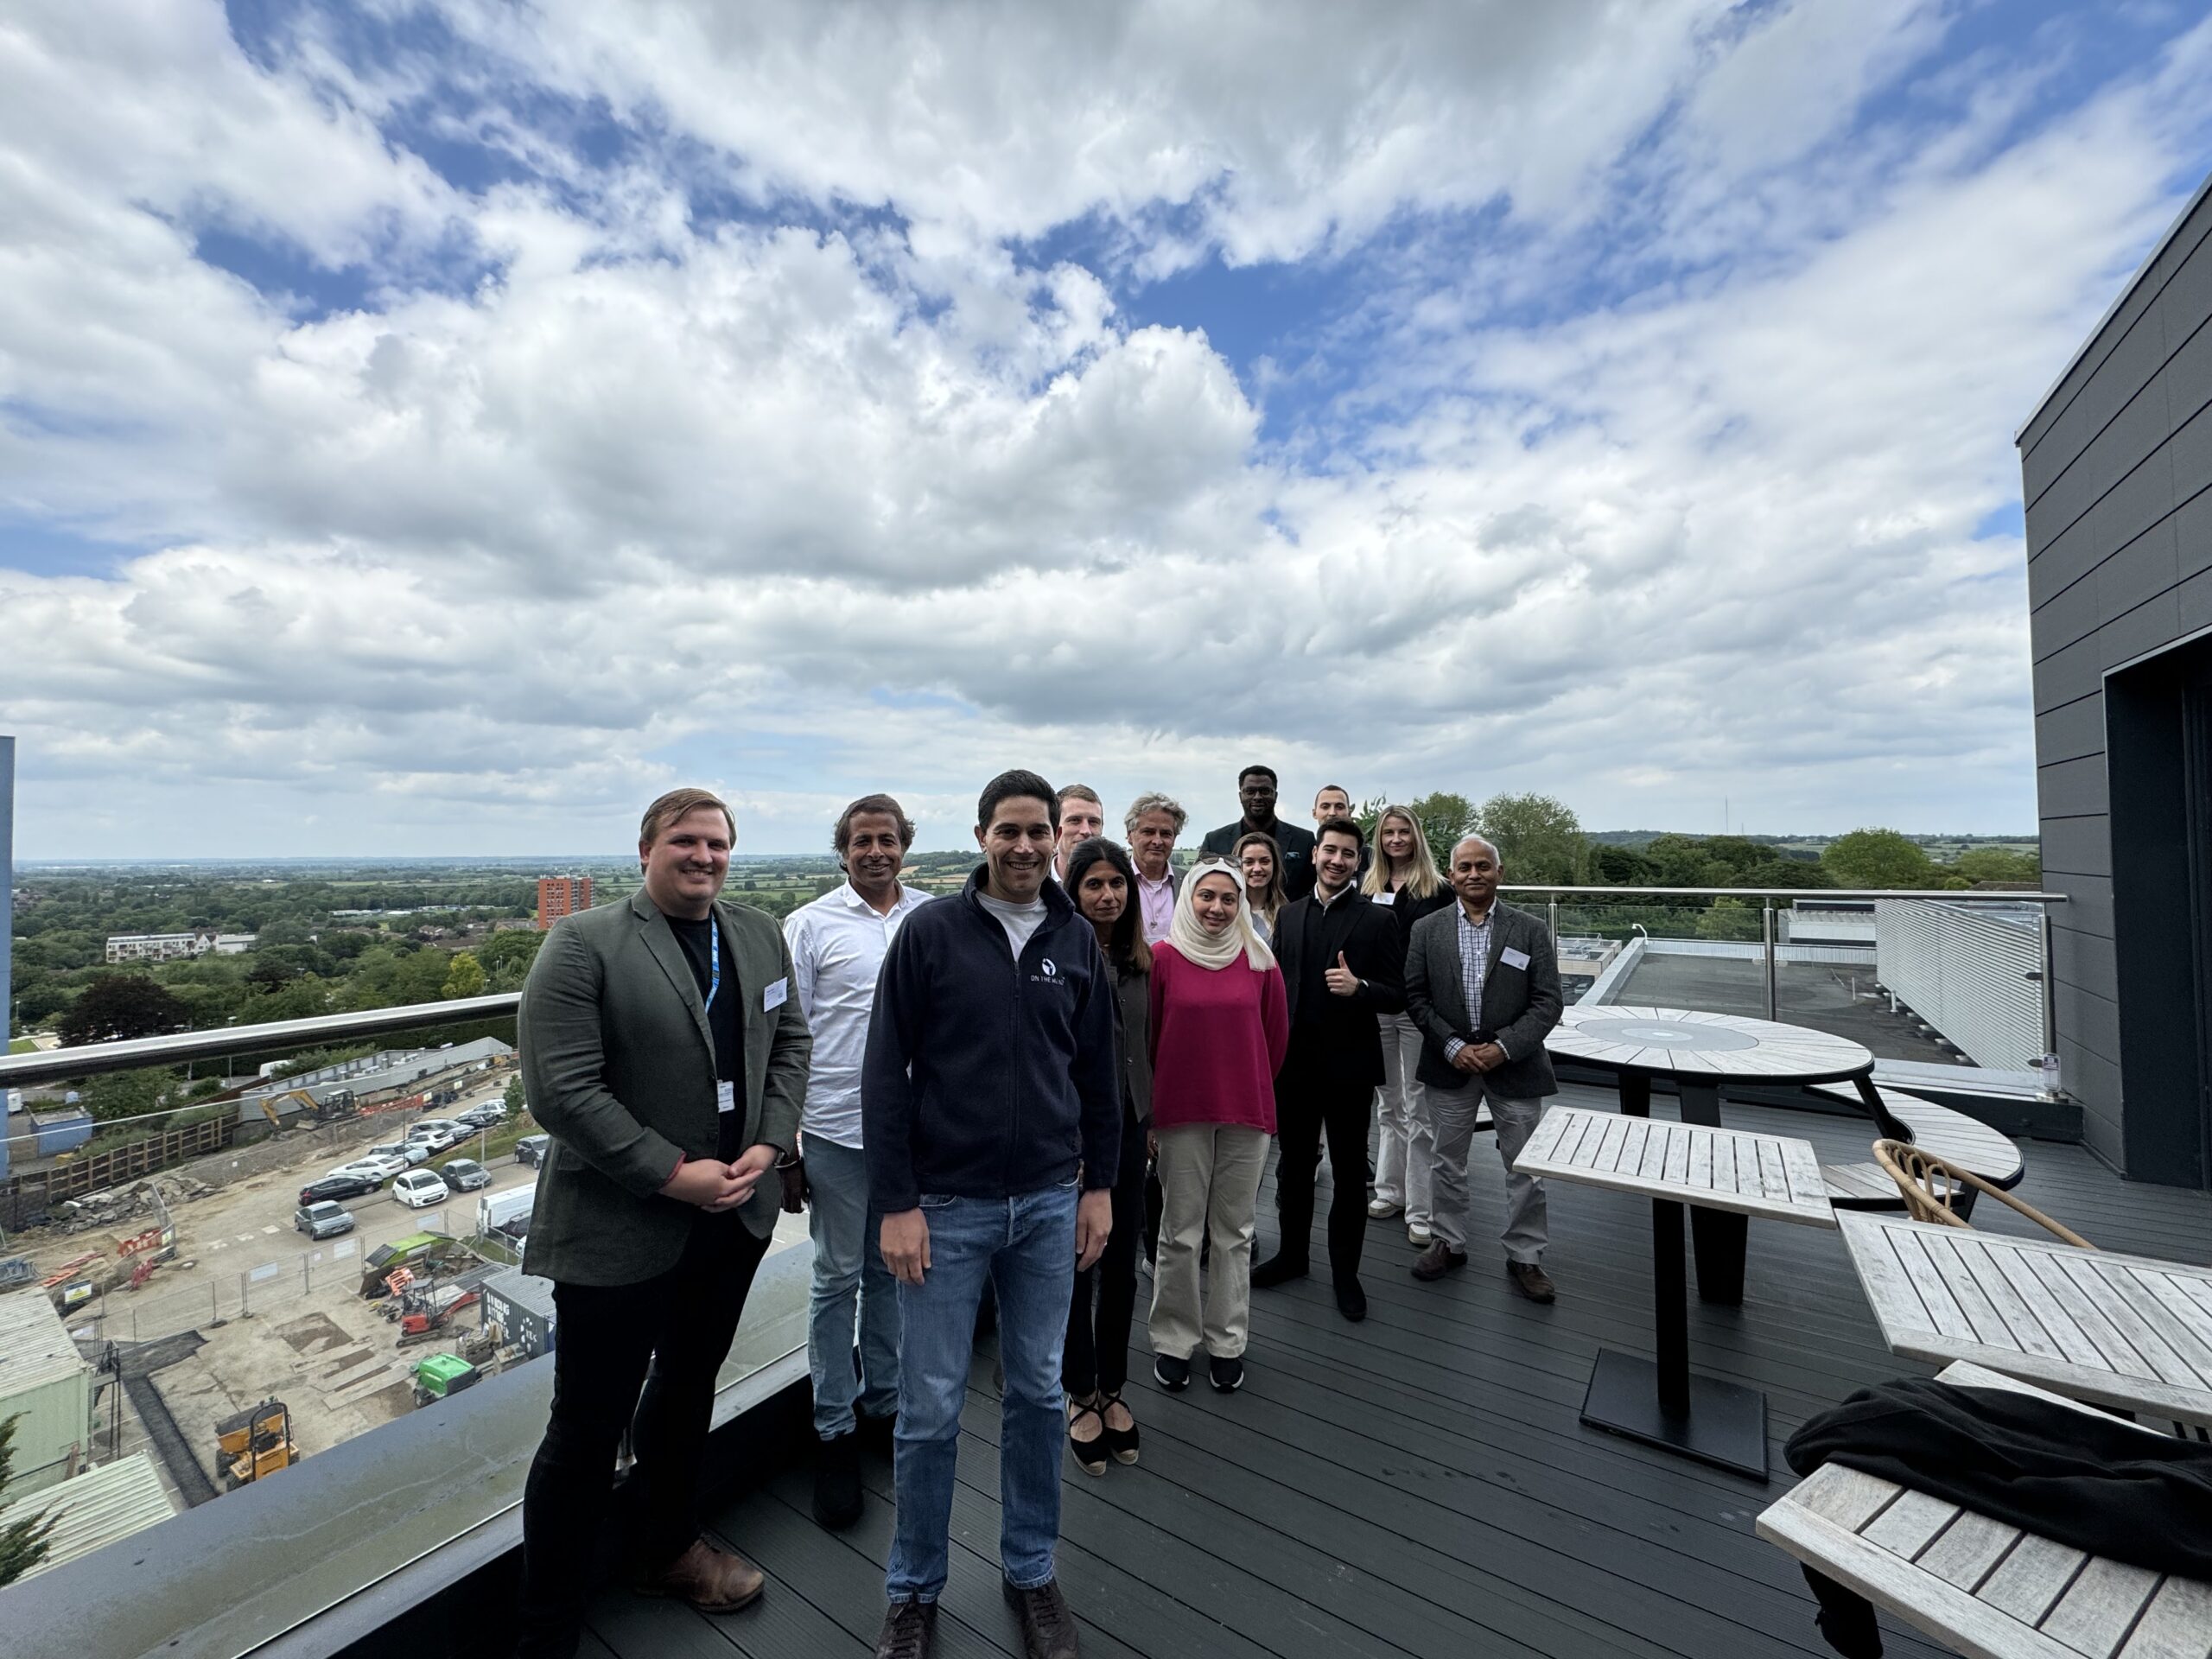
x: 1227, y: 1376
x: 909, y: 1631
x: 837, y: 1482
x: 1174, y: 1374
x: 1047, y: 1626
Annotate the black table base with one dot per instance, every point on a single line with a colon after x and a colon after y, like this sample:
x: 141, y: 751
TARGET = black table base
x: 1721, y: 1236
x: 1659, y: 1401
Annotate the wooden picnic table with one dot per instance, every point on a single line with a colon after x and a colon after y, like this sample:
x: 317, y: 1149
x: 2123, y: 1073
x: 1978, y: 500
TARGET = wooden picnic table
x: 1701, y: 1053
x: 1660, y: 1402
x: 1983, y: 1587
x: 2121, y: 1331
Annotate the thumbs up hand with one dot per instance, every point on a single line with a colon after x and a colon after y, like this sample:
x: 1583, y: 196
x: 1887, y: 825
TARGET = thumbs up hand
x: 1342, y: 981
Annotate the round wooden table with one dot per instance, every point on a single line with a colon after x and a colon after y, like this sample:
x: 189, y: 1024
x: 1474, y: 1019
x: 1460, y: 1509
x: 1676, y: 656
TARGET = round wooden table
x: 1701, y: 1052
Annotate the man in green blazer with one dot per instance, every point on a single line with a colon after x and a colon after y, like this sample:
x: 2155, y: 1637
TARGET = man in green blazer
x: 665, y: 1055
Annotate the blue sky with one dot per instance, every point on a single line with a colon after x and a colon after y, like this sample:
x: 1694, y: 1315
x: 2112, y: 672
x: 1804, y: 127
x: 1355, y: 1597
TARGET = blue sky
x: 437, y: 425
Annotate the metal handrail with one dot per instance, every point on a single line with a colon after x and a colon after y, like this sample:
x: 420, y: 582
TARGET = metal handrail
x: 1938, y: 895
x: 17, y: 1070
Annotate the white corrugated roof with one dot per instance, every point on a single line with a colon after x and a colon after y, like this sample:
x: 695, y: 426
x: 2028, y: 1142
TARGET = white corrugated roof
x: 95, y: 1509
x: 35, y: 1348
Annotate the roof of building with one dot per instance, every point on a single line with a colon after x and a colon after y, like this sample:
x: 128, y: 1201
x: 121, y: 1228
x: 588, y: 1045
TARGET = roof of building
x: 34, y: 1347
x: 524, y: 1290
x: 94, y: 1508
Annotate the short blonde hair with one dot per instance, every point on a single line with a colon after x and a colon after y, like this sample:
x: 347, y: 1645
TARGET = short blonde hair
x: 675, y: 805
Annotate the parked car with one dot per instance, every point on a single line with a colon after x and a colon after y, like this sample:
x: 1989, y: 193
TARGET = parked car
x: 418, y: 1189
x: 409, y: 1152
x: 533, y: 1149
x: 489, y: 1115
x: 379, y: 1165
x: 465, y: 1174
x: 340, y: 1184
x: 323, y: 1220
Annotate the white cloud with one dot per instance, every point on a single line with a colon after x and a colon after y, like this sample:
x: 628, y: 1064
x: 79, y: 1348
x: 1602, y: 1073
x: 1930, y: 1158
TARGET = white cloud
x: 808, y: 511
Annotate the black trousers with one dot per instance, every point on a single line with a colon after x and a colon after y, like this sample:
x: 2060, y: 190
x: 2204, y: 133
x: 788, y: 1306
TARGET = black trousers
x: 1104, y: 1303
x: 643, y: 1357
x: 1305, y: 1110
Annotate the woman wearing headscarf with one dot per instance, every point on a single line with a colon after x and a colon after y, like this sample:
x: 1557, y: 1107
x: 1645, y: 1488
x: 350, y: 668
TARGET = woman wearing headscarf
x: 1220, y: 1025
x: 1257, y: 856
x: 1095, y: 1365
x: 1403, y: 876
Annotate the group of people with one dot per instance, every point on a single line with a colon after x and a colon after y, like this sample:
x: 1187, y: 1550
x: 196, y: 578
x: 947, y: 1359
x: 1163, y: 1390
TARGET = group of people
x: 994, y: 1104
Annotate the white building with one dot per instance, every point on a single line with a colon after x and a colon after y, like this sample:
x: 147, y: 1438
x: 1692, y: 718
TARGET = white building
x: 177, y: 947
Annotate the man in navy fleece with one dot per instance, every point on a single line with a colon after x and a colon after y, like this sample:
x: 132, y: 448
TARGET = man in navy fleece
x: 990, y: 1103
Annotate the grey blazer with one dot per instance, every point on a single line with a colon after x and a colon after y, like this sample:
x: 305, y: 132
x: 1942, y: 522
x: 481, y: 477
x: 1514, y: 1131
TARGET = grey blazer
x: 620, y: 1069
x: 1520, y: 1005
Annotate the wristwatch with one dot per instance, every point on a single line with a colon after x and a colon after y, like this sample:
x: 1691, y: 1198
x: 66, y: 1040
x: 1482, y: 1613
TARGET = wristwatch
x: 788, y: 1160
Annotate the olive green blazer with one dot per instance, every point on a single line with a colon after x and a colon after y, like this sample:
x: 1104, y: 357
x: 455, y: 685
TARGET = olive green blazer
x: 619, y: 1065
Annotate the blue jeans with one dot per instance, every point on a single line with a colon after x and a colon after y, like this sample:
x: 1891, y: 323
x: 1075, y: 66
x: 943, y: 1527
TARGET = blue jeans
x: 1026, y: 1247
x: 849, y: 1271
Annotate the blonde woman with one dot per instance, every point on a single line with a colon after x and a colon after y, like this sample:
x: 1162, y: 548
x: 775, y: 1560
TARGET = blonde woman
x: 1220, y: 1027
x: 1257, y: 855
x: 1403, y: 876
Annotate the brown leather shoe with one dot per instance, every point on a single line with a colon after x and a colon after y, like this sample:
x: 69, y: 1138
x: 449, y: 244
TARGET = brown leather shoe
x: 1438, y: 1260
x: 1531, y: 1280
x: 711, y: 1580
x: 1047, y: 1626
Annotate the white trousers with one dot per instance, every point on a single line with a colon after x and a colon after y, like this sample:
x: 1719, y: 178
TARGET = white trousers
x: 1405, y: 1155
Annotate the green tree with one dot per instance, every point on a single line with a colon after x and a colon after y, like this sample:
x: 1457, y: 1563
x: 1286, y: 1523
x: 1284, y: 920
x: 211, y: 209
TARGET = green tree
x: 116, y: 1006
x: 1792, y: 873
x: 1443, y: 816
x: 1622, y: 867
x: 114, y: 1095
x: 1997, y: 864
x: 514, y: 1100
x: 1538, y: 838
x: 464, y: 978
x: 1730, y: 918
x: 1877, y: 858
x: 23, y: 1543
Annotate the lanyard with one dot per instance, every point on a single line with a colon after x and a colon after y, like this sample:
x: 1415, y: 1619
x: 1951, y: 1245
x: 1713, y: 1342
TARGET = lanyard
x: 715, y: 957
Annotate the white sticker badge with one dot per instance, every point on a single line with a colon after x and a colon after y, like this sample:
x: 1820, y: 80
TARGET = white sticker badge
x: 1513, y: 958
x: 776, y: 995
x: 725, y: 1096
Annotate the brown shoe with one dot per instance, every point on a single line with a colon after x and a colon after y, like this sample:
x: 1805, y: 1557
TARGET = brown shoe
x: 711, y: 1580
x: 909, y: 1631
x: 1438, y: 1260
x: 1047, y: 1626
x: 1530, y: 1280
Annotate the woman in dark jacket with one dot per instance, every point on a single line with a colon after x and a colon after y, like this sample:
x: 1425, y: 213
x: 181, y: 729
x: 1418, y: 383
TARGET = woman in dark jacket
x: 1403, y: 876
x: 1095, y: 1363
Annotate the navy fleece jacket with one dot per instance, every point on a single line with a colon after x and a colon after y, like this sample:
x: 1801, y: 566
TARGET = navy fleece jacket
x: 987, y: 1078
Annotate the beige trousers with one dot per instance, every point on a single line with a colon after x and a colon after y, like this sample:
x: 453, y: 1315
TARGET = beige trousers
x: 1210, y: 1186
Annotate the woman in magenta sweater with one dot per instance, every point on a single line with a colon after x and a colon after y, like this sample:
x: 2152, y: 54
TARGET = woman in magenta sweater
x: 1219, y: 1027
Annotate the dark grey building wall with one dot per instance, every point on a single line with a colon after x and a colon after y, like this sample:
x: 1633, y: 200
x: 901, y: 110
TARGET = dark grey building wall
x: 2116, y: 469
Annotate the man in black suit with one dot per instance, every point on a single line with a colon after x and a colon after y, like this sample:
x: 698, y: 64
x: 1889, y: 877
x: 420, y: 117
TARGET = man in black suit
x: 1341, y: 966
x: 1256, y: 792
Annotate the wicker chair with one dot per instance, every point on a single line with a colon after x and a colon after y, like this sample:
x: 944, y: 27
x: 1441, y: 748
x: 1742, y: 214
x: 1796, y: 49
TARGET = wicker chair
x: 1930, y: 1186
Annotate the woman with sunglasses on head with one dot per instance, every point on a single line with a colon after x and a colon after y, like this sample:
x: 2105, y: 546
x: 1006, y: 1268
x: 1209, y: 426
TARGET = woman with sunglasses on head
x: 1220, y: 1026
x: 1403, y: 876
x: 1095, y: 1365
x: 1257, y: 855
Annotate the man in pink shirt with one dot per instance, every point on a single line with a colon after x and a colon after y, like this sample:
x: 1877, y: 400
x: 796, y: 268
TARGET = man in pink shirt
x: 1153, y: 822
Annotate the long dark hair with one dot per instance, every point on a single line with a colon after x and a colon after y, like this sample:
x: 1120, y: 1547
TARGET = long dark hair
x: 1126, y: 949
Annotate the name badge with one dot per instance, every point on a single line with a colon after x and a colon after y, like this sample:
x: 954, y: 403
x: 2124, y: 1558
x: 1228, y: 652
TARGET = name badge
x: 725, y: 1096
x: 1515, y: 959
x: 776, y: 995
x: 1384, y: 899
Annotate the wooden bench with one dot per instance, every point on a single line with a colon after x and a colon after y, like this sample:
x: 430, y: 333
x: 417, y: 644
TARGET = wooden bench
x: 1983, y: 1588
x: 1951, y: 1135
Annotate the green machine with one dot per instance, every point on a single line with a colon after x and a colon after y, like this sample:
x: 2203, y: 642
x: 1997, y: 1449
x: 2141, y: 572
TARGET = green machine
x: 438, y: 1376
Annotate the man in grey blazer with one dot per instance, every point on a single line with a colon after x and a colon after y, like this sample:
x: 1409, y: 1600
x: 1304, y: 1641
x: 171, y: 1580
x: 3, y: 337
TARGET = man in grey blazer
x: 1482, y: 983
x: 666, y: 1057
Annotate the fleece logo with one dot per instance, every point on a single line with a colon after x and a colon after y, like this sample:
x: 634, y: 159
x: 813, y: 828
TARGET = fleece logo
x: 1048, y: 973
x: 1050, y: 970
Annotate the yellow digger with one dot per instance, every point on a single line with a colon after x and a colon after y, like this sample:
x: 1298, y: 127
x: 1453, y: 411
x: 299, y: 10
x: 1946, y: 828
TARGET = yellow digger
x: 254, y: 1443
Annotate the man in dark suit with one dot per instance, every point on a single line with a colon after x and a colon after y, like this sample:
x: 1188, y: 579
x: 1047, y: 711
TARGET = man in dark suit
x: 1482, y: 983
x: 1255, y: 791
x: 1341, y: 966
x: 666, y: 1058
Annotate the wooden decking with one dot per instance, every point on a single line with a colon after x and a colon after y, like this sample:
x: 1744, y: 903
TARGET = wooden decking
x: 1418, y: 1484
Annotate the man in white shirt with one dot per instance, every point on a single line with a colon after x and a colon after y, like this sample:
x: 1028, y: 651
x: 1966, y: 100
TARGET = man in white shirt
x: 838, y: 946
x: 1083, y: 815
